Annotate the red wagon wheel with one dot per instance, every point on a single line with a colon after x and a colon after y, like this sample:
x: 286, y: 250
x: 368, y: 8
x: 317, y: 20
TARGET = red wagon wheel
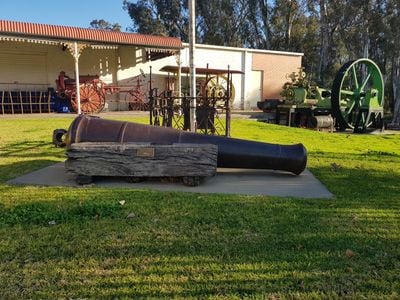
x: 92, y: 98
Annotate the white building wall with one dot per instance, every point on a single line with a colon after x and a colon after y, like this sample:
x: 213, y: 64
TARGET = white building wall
x: 248, y: 83
x: 23, y: 65
x: 41, y: 64
x: 221, y: 59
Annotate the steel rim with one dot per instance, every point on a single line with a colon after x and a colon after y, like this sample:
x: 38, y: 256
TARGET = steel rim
x: 217, y: 86
x: 358, y: 86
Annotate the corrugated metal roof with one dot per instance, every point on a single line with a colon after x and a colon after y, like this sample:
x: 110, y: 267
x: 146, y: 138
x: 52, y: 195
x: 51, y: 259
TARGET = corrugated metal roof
x: 85, y: 34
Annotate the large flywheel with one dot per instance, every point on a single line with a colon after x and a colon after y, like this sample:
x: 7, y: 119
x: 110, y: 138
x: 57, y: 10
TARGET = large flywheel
x: 358, y: 95
x: 217, y: 86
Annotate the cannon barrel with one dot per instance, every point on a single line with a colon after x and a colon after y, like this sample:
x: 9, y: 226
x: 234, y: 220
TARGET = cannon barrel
x: 232, y: 153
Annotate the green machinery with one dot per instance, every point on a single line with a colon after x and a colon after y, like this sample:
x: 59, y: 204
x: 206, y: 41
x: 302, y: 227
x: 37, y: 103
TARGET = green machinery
x: 355, y: 100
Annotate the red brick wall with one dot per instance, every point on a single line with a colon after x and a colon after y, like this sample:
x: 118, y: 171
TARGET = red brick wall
x: 275, y: 69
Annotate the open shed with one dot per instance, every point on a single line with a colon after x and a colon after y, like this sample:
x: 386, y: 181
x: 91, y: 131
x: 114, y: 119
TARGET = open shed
x: 33, y: 55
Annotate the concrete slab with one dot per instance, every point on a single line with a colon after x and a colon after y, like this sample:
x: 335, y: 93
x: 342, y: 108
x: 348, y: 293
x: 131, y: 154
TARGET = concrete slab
x: 227, y: 181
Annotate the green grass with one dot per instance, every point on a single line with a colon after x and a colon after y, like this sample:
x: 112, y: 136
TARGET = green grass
x: 182, y: 245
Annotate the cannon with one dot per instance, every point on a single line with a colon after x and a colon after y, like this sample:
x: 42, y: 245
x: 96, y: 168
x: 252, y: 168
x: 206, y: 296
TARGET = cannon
x: 231, y: 153
x: 355, y: 100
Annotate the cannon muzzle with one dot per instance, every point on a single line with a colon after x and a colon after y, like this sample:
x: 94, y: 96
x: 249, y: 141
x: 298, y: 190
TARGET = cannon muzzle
x: 232, y: 153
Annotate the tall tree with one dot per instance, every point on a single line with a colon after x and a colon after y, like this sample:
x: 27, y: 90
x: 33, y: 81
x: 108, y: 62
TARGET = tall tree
x: 220, y: 22
x: 285, y: 14
x: 393, y: 50
x: 159, y: 17
x: 328, y: 32
x: 257, y: 24
x: 104, y: 25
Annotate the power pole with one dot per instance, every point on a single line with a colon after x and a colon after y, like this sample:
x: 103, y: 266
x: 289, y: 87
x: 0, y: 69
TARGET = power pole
x: 192, y: 67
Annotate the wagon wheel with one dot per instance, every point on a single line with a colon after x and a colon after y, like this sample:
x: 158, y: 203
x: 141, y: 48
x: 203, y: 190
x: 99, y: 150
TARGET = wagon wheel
x: 358, y: 95
x: 92, y: 99
x: 217, y: 86
x: 137, y: 100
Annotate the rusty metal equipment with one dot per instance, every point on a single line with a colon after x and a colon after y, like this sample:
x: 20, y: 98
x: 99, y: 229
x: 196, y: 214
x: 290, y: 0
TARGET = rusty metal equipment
x: 93, y: 92
x: 232, y: 153
x: 215, y: 95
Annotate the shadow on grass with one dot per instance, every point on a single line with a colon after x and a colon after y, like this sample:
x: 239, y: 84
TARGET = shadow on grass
x: 354, y: 189
x: 185, y: 245
x: 28, y: 149
x: 189, y: 245
x: 15, y: 169
x: 188, y: 249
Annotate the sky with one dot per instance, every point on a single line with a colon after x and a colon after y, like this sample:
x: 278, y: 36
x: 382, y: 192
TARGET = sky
x: 78, y: 13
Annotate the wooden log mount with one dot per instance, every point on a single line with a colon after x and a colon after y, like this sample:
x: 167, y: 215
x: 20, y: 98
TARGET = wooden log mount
x: 136, y: 161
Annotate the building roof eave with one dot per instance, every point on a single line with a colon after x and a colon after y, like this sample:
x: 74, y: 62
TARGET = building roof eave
x: 76, y: 34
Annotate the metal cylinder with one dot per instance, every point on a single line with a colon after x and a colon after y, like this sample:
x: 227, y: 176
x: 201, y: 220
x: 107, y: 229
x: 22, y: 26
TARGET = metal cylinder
x: 321, y: 122
x: 232, y: 153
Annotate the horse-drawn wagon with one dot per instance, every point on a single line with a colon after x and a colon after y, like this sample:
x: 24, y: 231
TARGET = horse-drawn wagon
x: 93, y: 91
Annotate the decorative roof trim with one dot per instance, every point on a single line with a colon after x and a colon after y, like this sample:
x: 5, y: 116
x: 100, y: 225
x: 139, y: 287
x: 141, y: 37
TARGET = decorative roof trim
x: 69, y: 33
x: 28, y: 40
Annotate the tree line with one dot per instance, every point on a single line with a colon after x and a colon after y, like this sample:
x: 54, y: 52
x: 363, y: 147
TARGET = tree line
x: 328, y: 32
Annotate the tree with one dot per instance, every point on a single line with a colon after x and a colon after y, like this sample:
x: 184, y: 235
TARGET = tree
x: 328, y: 32
x: 159, y: 17
x: 258, y: 30
x: 221, y: 22
x: 393, y: 50
x: 218, y: 22
x: 104, y: 25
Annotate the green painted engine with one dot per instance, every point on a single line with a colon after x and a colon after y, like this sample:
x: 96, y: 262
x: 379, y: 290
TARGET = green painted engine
x: 355, y: 100
x: 304, y: 93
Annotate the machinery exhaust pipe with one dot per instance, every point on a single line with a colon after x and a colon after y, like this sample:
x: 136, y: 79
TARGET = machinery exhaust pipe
x: 232, y: 153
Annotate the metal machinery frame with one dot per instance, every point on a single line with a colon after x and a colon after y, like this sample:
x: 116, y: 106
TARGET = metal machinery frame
x: 355, y: 101
x: 215, y: 94
x: 93, y: 92
x: 27, y: 98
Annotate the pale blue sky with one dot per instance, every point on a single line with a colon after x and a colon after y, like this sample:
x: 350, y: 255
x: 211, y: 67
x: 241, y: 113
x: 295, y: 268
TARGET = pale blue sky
x: 65, y: 12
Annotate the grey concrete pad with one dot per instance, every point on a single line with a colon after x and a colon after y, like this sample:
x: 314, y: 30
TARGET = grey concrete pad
x: 227, y: 181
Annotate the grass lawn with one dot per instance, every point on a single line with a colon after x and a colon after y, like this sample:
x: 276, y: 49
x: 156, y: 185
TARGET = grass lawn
x: 182, y: 245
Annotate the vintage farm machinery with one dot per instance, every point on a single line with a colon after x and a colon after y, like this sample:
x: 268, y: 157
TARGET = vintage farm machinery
x: 215, y: 95
x: 93, y: 92
x: 354, y: 102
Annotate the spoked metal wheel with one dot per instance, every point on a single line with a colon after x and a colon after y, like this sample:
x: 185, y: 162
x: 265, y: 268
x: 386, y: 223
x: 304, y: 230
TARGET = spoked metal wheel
x: 217, y: 86
x: 358, y: 95
x: 92, y: 101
